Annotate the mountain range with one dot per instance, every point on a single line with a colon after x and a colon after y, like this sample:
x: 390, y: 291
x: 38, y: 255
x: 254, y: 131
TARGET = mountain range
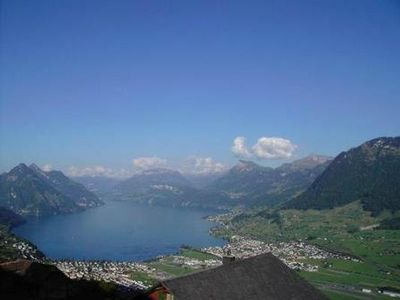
x: 369, y: 173
x: 245, y: 184
x: 32, y: 191
x: 249, y: 183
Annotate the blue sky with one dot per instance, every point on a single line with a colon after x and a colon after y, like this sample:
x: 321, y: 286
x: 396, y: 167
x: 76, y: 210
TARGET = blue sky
x: 100, y: 83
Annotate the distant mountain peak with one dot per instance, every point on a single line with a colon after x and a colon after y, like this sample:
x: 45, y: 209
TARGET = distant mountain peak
x: 156, y: 171
x: 20, y: 170
x: 38, y: 171
x: 30, y: 190
x: 21, y: 167
x: 245, y: 166
x: 313, y: 159
x: 318, y: 158
x: 157, y: 186
x: 309, y: 162
x: 34, y: 166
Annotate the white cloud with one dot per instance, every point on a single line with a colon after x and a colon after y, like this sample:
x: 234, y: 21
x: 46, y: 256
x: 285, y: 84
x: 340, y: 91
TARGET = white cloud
x: 265, y: 148
x: 145, y: 163
x: 202, y: 166
x: 97, y: 171
x: 47, y: 168
x: 239, y: 147
x: 273, y: 148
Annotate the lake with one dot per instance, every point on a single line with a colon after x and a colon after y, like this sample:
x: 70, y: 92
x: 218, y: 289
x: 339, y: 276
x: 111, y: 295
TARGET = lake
x: 120, y: 231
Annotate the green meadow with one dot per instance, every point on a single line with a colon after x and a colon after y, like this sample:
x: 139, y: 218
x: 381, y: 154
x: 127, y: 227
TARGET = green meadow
x: 348, y: 230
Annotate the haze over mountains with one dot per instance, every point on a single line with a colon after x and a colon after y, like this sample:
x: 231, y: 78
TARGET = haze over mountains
x: 245, y: 184
x: 100, y: 185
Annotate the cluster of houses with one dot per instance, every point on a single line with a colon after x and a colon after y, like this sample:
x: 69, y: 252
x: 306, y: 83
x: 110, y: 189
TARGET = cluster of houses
x: 195, y: 263
x: 117, y: 272
x: 18, y: 246
x: 262, y: 268
x: 258, y: 262
x: 26, y: 250
x: 259, y: 277
x: 291, y: 253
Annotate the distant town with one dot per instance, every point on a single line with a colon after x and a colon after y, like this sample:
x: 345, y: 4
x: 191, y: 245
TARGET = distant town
x: 293, y: 254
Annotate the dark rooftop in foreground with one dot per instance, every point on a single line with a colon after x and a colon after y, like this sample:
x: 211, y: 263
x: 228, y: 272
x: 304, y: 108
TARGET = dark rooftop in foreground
x: 259, y: 277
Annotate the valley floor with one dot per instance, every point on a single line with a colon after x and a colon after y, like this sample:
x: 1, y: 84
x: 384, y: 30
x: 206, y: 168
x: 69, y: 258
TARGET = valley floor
x: 364, y: 261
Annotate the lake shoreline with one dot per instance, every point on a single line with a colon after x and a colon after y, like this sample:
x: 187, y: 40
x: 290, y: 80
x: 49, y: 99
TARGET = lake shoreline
x: 198, y: 216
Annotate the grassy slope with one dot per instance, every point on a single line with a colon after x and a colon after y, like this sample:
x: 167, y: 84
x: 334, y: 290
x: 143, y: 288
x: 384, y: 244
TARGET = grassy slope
x: 196, y: 254
x: 167, y: 266
x: 337, y: 229
x: 7, y: 252
x: 7, y: 239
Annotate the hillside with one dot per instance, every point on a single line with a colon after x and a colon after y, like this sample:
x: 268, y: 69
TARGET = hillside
x: 9, y: 218
x: 369, y: 173
x: 11, y: 246
x: 31, y: 191
x: 248, y: 183
x: 201, y: 181
x: 71, y: 189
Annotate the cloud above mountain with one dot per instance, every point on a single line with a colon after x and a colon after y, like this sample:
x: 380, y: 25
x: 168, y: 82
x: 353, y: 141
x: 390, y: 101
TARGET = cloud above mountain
x: 192, y: 165
x: 273, y: 148
x: 266, y: 148
x: 239, y: 147
x: 202, y: 166
x: 149, y: 162
x: 98, y: 170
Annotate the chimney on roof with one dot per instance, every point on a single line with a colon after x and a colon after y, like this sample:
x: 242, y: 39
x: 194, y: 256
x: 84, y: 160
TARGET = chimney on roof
x: 228, y: 257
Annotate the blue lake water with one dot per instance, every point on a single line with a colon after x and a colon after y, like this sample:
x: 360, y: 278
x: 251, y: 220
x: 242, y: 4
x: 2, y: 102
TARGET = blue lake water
x: 120, y: 231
